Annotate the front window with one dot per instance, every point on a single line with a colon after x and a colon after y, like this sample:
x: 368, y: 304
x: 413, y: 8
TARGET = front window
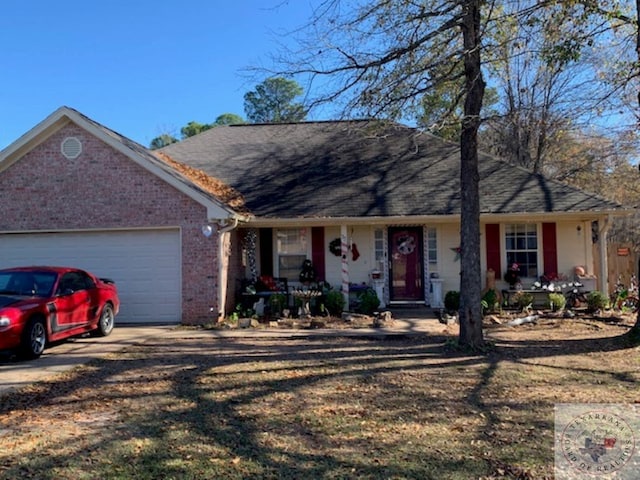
x: 432, y: 249
x: 521, y: 246
x: 291, y: 250
x: 378, y: 242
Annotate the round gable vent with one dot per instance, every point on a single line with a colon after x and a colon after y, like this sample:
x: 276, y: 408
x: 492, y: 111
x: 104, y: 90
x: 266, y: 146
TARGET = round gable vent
x: 71, y: 147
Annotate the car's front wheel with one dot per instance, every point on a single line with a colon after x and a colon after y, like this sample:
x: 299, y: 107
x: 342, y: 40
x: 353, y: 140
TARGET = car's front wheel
x: 106, y: 322
x: 34, y: 339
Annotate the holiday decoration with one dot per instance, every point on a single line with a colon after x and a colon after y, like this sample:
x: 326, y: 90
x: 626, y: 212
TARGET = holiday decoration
x: 308, y: 273
x: 344, y: 264
x: 250, y: 247
x: 406, y: 244
x: 512, y: 277
x: 335, y: 247
x: 355, y: 254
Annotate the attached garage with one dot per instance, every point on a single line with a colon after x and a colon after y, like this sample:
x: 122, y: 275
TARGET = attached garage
x: 76, y: 193
x: 145, y: 264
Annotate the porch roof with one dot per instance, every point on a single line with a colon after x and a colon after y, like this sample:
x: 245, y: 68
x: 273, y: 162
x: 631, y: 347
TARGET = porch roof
x: 363, y: 169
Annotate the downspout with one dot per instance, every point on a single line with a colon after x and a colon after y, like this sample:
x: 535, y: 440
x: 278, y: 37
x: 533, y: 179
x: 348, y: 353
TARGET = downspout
x: 604, y: 262
x: 223, y: 262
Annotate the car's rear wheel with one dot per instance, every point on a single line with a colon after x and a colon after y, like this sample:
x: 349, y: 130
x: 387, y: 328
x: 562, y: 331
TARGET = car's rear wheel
x: 106, y: 322
x: 34, y: 339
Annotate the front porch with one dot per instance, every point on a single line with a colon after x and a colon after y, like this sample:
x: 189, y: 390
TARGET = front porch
x: 403, y: 265
x: 398, y: 264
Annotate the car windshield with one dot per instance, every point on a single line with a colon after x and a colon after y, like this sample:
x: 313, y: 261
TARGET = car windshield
x: 34, y: 283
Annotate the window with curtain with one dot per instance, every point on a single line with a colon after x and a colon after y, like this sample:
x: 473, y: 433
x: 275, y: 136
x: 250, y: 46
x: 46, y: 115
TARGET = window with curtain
x: 291, y: 250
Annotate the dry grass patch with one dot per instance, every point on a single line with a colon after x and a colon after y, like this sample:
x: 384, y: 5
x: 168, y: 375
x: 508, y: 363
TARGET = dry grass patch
x: 326, y: 408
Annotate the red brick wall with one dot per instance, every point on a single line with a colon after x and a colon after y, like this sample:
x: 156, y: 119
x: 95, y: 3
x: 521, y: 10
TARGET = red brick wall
x: 102, y: 188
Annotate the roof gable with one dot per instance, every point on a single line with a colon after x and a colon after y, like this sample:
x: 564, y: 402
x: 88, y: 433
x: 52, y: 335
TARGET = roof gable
x: 216, y: 209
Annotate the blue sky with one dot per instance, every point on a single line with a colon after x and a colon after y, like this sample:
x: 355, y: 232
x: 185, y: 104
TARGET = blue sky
x: 139, y: 67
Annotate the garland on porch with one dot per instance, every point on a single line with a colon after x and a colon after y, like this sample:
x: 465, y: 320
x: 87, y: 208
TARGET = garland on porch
x: 335, y: 247
x: 250, y: 247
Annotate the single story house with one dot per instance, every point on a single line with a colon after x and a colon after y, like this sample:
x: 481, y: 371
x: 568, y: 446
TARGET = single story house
x: 181, y: 229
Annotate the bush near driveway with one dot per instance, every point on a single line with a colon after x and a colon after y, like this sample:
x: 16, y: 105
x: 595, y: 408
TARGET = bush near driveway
x: 317, y: 407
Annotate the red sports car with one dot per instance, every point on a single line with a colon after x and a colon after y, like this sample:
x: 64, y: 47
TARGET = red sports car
x: 39, y: 305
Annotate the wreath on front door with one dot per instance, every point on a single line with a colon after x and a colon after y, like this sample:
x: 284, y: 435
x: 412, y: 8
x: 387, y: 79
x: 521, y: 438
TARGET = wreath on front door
x: 406, y: 244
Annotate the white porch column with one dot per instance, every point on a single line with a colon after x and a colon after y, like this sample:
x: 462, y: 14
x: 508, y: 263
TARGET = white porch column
x: 344, y: 252
x: 604, y: 262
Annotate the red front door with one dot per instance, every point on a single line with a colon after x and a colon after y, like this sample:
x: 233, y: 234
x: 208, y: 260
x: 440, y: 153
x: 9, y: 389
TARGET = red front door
x: 405, y: 254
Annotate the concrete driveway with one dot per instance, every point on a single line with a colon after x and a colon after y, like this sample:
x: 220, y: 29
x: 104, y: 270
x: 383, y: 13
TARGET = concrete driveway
x: 71, y: 353
x: 15, y: 373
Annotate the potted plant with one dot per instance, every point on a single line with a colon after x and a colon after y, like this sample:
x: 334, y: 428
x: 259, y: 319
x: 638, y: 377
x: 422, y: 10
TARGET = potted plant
x: 368, y: 301
x: 452, y: 302
x: 334, y: 302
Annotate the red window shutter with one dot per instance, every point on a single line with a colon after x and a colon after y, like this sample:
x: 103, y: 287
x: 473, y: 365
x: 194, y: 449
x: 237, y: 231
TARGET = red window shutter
x: 492, y: 240
x: 549, y: 249
x: 317, y: 251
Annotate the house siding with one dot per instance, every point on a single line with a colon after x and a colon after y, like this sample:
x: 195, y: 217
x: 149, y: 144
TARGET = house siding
x: 104, y: 189
x: 575, y: 247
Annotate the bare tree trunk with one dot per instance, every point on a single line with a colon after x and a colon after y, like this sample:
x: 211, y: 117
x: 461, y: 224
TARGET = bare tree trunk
x: 635, y: 331
x: 470, y: 313
x: 638, y: 36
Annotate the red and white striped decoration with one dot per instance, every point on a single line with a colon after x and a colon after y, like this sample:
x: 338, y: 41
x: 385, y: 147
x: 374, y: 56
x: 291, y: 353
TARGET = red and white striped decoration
x: 344, y: 251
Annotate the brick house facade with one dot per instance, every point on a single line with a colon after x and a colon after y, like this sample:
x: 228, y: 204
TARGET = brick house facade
x: 103, y: 189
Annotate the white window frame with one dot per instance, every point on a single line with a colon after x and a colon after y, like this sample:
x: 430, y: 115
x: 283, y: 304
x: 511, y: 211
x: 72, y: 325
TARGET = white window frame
x: 380, y: 249
x: 429, y: 233
x: 304, y: 250
x: 538, y: 249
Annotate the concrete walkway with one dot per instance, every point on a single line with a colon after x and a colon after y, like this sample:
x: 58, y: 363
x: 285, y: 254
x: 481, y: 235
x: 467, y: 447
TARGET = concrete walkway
x: 74, y: 352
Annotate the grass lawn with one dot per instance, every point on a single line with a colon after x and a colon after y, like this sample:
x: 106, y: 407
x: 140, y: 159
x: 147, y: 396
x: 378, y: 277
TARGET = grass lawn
x: 317, y: 407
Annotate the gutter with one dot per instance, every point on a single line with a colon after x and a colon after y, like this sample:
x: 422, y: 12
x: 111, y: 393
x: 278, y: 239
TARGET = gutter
x: 485, y: 217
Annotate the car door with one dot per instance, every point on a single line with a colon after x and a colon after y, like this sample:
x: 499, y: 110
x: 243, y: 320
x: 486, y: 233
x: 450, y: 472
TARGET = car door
x: 74, y: 303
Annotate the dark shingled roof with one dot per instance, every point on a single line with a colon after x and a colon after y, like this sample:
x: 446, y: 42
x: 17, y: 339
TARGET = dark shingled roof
x: 364, y: 169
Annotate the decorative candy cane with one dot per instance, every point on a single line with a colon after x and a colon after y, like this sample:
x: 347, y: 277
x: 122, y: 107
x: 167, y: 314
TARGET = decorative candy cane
x: 344, y: 251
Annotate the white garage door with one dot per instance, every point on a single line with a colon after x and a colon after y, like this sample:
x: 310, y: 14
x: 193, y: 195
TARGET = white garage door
x: 145, y: 264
